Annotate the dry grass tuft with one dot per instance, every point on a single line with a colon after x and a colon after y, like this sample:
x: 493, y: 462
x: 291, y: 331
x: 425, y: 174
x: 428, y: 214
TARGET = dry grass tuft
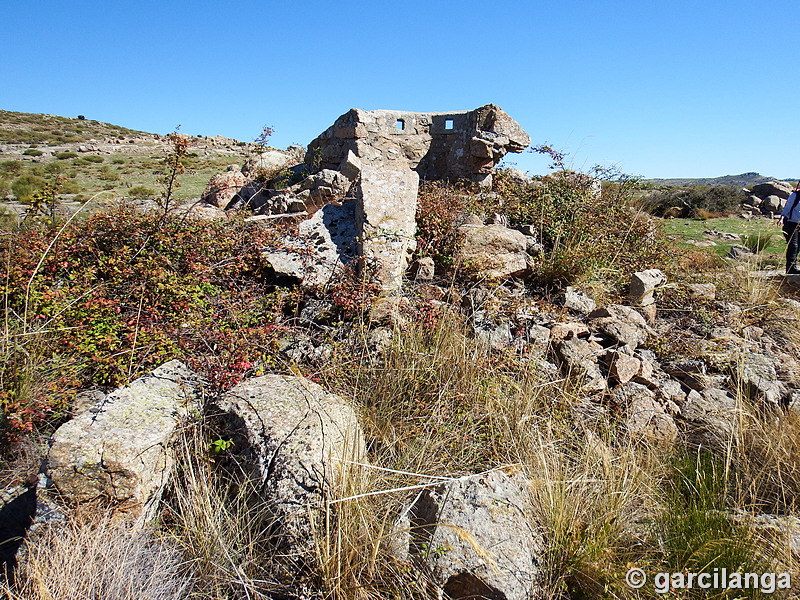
x: 221, y: 524
x: 100, y: 560
x: 766, y: 463
x: 594, y: 497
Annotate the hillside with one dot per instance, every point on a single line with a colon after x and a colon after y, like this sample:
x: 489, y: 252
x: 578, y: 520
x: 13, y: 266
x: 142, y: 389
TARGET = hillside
x: 741, y: 180
x: 94, y: 159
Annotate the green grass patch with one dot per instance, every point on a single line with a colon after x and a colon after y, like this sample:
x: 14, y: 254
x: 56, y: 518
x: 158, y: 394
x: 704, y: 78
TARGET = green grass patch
x: 683, y: 230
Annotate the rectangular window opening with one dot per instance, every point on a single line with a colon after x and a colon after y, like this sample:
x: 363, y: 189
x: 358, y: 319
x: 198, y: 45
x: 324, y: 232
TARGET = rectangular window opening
x: 400, y: 125
x: 448, y: 123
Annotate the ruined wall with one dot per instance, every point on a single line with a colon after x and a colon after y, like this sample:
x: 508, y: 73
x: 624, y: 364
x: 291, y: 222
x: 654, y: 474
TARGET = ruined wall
x: 446, y: 145
x: 384, y: 153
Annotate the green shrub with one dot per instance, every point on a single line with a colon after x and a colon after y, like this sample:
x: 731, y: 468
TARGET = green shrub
x: 70, y: 187
x: 54, y: 168
x: 65, y: 155
x: 108, y: 173
x: 439, y: 208
x: 93, y: 158
x: 696, y: 532
x: 585, y: 235
x: 11, y: 167
x: 26, y: 185
x: 757, y: 241
x: 141, y: 191
x: 714, y: 200
x: 32, y: 152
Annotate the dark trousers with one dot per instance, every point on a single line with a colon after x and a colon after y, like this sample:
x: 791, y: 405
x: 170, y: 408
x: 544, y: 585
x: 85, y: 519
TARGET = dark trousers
x: 791, y: 234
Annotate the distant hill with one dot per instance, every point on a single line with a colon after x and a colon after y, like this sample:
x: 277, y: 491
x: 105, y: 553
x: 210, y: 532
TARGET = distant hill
x: 87, y: 157
x: 745, y: 179
x: 51, y: 130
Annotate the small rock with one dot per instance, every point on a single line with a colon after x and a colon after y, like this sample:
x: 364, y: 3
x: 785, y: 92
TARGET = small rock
x: 706, y: 291
x: 423, y: 269
x: 389, y: 310
x: 711, y: 416
x: 755, y: 375
x: 297, y: 438
x: 565, y: 331
x: 493, y: 252
x: 622, y: 367
x: 121, y: 451
x: 475, y: 538
x: 578, y: 301
x: 646, y: 417
x: 738, y: 252
x: 578, y: 360
x: 222, y: 188
x: 644, y: 284
x: 621, y: 323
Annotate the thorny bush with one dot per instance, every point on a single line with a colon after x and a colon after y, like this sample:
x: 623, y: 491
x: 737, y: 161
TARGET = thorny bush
x: 586, y: 234
x: 125, y: 291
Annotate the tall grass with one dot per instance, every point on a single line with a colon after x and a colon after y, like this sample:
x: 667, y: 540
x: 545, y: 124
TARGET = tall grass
x: 594, y: 496
x: 101, y: 559
x: 757, y: 241
x: 222, y: 524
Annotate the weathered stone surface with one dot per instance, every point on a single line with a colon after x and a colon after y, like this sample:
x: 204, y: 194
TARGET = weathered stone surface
x: 578, y: 359
x: 621, y: 323
x: 495, y: 335
x: 87, y: 399
x: 386, y: 218
x: 493, y: 252
x: 321, y: 188
x: 538, y: 341
x: 782, y: 189
x: 578, y: 301
x: 423, y: 269
x: 389, y: 311
x: 739, y: 252
x: 622, y: 367
x: 644, y: 284
x: 268, y: 163
x: 327, y: 243
x: 565, y: 331
x: 692, y: 372
x: 475, y: 539
x: 711, y: 416
x: 436, y: 145
x: 781, y: 530
x: 294, y: 435
x: 707, y: 291
x: 772, y: 204
x: 221, y: 188
x: 119, y: 449
x: 646, y: 416
x: 517, y: 177
x: 755, y: 375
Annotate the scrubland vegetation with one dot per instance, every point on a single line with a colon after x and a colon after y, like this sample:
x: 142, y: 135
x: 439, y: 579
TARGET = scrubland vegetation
x: 125, y: 170
x: 96, y: 300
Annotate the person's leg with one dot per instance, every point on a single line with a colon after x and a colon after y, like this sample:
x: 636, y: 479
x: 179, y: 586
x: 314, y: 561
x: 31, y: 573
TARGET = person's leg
x: 792, y: 246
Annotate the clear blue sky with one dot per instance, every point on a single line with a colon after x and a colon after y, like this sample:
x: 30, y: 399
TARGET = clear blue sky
x: 668, y: 88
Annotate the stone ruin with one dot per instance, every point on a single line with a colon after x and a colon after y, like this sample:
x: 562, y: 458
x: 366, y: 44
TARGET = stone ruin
x: 359, y: 182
